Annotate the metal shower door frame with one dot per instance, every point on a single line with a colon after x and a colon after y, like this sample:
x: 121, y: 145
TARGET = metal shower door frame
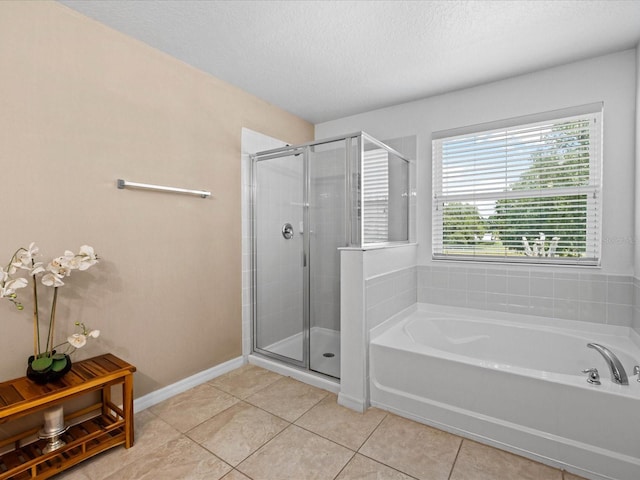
x: 306, y: 340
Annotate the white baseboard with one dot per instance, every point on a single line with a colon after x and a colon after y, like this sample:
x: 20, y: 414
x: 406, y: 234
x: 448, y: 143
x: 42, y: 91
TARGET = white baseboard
x: 353, y: 403
x: 185, y: 384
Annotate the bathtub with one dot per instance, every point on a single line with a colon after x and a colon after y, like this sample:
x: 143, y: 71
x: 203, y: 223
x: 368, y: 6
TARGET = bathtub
x: 515, y: 382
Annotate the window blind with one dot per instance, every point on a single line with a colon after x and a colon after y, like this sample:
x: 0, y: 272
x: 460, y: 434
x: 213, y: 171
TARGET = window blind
x: 524, y: 193
x: 376, y: 196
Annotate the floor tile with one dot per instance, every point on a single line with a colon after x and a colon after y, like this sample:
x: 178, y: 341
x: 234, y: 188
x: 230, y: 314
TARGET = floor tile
x: 340, y: 424
x: 481, y: 462
x: 245, y: 381
x: 237, y: 432
x: 296, y: 454
x: 363, y: 468
x: 235, y: 475
x: 287, y: 398
x: 570, y: 476
x: 191, y: 408
x: 415, y: 449
x: 181, y: 458
x: 151, y: 433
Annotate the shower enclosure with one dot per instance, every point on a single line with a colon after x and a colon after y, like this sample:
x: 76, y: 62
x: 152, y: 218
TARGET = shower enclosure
x: 308, y: 202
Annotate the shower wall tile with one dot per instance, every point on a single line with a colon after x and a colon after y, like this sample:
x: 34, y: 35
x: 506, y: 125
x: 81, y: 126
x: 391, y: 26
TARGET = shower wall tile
x: 388, y: 294
x: 496, y: 284
x: 594, y: 312
x: 620, y: 293
x: 566, y: 308
x: 593, y: 290
x: 619, y: 314
x: 518, y: 285
x: 541, y: 287
x: 477, y: 282
x: 636, y: 306
x: 566, y: 289
x: 477, y: 299
x: 457, y: 279
x: 496, y: 301
x: 541, y: 306
x: 586, y: 296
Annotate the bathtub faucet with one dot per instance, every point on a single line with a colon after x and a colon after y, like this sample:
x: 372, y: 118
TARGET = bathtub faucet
x: 618, y: 375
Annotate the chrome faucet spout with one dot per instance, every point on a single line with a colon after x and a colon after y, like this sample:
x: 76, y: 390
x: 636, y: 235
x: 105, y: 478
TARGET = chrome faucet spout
x: 618, y: 375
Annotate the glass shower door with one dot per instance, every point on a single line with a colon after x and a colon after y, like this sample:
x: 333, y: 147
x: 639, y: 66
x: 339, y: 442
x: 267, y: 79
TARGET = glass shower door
x: 280, y: 302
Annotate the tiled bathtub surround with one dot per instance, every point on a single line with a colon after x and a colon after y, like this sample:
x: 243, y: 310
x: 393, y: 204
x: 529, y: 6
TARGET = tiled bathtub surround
x: 389, y: 294
x: 636, y: 305
x: 573, y: 295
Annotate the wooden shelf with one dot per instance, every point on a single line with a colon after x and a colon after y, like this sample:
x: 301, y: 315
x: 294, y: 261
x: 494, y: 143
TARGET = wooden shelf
x: 112, y: 426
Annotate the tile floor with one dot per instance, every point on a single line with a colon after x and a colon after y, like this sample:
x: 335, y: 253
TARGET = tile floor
x: 255, y: 424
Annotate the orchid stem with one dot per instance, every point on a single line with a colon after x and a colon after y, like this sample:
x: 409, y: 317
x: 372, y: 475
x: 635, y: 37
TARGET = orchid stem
x: 52, y: 320
x: 36, y: 323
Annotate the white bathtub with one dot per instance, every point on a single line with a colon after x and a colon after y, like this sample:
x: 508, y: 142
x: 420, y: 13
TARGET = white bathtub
x: 513, y: 381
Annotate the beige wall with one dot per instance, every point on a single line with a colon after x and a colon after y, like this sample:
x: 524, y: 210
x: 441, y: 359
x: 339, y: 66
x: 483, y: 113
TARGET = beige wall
x: 82, y: 105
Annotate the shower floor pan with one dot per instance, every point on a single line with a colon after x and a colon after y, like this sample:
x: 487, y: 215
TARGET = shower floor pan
x: 324, y: 355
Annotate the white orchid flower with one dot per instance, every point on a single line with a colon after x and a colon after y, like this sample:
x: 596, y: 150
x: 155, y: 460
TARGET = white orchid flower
x: 87, y: 256
x: 60, y: 267
x: 77, y: 340
x: 15, y: 284
x: 10, y: 286
x: 52, y: 280
x: 87, y: 251
x: 33, y: 250
x: 25, y: 257
x: 36, y: 269
x: 94, y: 333
x: 4, y: 276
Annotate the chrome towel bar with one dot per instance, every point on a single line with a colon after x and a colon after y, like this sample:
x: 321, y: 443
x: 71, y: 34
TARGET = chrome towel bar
x: 161, y: 188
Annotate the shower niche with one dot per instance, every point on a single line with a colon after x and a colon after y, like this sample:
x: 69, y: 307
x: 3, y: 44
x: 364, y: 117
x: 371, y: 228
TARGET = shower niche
x: 309, y: 201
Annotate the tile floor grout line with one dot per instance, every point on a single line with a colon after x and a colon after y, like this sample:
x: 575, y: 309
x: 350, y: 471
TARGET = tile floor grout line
x: 205, y: 421
x: 261, y: 447
x: 211, y: 453
x: 386, y: 414
x: 270, y: 413
x: 322, y: 436
x: 456, y: 459
x: 307, y: 410
x: 252, y: 393
x: 388, y: 466
x: 345, y: 465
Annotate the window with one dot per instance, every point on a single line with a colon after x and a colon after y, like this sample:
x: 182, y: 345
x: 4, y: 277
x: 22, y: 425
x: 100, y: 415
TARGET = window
x: 521, y: 191
x: 376, y: 196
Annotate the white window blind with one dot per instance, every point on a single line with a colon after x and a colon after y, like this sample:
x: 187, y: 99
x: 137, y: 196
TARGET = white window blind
x: 376, y: 196
x: 523, y: 193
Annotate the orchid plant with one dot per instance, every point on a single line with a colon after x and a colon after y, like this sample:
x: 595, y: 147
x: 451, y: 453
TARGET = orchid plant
x: 24, y: 259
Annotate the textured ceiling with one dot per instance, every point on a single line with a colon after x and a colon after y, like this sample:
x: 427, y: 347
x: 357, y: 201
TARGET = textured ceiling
x: 323, y: 60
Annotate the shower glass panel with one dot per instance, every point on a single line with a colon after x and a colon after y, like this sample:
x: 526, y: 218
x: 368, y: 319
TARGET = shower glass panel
x: 279, y: 261
x: 327, y: 233
x: 308, y: 202
x: 385, y: 194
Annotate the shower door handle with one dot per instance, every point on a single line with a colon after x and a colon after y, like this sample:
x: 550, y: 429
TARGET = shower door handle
x: 287, y: 231
x: 304, y: 259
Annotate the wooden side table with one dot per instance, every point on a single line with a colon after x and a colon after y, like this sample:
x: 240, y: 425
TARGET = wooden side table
x: 109, y: 425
